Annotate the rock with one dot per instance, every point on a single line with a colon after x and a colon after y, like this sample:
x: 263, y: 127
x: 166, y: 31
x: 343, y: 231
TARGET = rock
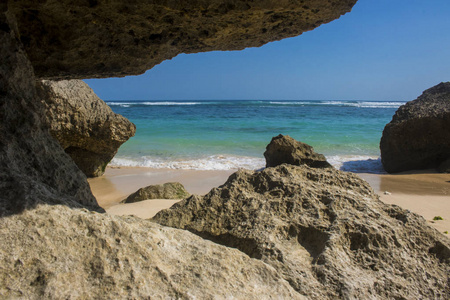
x: 170, y: 190
x: 285, y: 150
x: 84, y: 39
x: 65, y: 253
x: 85, y: 126
x: 444, y: 167
x: 325, y: 232
x: 418, y: 137
x: 34, y: 168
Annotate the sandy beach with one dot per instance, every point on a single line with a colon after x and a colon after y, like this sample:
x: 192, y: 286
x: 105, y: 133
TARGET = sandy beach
x: 426, y: 193
x: 117, y: 183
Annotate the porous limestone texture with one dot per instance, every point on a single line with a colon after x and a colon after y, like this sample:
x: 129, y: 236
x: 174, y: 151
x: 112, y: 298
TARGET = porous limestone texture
x: 33, y: 166
x: 90, y: 38
x: 418, y: 137
x: 325, y: 232
x: 85, y: 126
x: 169, y: 190
x: 284, y: 149
x: 66, y: 253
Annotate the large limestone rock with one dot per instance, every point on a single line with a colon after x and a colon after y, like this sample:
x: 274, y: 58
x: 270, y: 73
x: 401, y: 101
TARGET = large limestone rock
x: 418, y: 137
x: 65, y: 253
x: 285, y: 150
x: 82, y: 39
x: 33, y: 166
x: 324, y: 231
x: 169, y: 190
x: 85, y: 126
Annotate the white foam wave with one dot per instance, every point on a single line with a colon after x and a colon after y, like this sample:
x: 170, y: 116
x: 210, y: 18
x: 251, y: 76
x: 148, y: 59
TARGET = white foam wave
x: 214, y: 162
x: 380, y: 104
x: 291, y: 102
x: 349, y: 163
x: 357, y: 163
x: 362, y: 104
x: 128, y: 104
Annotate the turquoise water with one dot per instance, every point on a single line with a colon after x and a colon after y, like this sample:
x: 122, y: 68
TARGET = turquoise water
x: 233, y: 134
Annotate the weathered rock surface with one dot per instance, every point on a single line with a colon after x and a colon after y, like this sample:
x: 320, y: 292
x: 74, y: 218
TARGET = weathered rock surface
x: 82, y: 39
x: 33, y: 166
x: 324, y: 231
x: 444, y: 167
x: 170, y: 190
x: 85, y: 126
x: 65, y: 253
x: 285, y: 150
x: 418, y: 137
x: 321, y: 230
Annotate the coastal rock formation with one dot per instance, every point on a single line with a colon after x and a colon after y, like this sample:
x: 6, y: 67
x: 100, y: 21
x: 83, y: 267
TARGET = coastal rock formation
x: 34, y: 168
x: 324, y: 231
x: 170, y: 190
x: 85, y: 126
x: 64, y: 253
x: 84, y: 39
x: 418, y: 137
x: 444, y: 167
x: 285, y: 150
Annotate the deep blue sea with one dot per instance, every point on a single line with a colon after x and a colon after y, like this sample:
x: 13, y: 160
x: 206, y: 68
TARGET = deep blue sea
x: 219, y: 135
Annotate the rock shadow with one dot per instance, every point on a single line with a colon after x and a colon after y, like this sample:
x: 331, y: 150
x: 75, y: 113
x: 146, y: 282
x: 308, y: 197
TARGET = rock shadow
x: 371, y: 166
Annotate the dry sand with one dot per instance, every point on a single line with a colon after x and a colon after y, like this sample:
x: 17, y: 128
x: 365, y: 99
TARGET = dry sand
x: 425, y: 193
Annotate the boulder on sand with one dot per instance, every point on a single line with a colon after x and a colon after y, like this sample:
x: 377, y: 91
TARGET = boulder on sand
x: 418, y: 137
x: 85, y: 126
x: 170, y: 190
x: 284, y: 149
x: 324, y: 231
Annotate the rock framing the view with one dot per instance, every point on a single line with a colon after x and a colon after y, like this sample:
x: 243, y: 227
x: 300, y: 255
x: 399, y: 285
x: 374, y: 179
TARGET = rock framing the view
x: 53, y: 243
x: 85, y: 39
x: 85, y: 126
x: 418, y: 137
x: 325, y: 232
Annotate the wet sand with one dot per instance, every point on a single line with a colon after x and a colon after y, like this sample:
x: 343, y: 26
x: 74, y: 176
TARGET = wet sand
x: 425, y: 193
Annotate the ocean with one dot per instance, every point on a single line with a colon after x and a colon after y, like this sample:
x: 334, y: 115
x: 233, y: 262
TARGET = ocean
x: 222, y: 135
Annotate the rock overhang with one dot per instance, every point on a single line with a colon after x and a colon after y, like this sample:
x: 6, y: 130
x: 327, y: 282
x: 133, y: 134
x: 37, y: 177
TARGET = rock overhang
x: 96, y: 39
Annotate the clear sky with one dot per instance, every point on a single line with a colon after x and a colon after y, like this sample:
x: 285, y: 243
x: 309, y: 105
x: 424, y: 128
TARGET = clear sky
x: 382, y: 50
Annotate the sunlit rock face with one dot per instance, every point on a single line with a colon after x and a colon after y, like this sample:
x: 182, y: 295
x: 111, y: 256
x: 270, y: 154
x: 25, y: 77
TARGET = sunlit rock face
x: 284, y: 149
x: 324, y: 231
x: 85, y: 126
x: 54, y: 252
x: 418, y: 137
x: 90, y: 38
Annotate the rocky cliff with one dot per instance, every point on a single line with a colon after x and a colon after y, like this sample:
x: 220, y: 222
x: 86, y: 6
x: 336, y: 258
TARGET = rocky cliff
x: 85, y: 126
x: 418, y: 137
x: 90, y: 38
x: 324, y: 231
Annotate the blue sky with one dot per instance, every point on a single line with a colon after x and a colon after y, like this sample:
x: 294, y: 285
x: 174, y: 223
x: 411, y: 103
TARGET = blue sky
x: 382, y: 50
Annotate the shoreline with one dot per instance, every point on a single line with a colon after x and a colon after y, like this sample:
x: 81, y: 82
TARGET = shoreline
x: 426, y: 193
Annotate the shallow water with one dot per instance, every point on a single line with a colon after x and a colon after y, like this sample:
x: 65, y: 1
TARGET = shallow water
x: 220, y: 135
